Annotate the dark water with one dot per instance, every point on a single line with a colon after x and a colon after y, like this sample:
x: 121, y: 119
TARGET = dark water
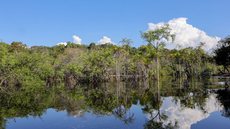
x: 183, y: 105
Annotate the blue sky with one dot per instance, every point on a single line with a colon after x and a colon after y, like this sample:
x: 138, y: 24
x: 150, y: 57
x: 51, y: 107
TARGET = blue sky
x: 47, y: 22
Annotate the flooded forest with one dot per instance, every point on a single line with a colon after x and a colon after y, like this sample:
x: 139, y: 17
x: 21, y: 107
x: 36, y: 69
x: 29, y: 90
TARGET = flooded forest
x: 114, y: 86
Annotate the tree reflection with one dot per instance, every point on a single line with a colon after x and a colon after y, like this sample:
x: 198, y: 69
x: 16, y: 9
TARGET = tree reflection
x: 188, y: 95
x: 152, y: 106
x: 122, y: 111
x: 112, y: 99
x: 224, y: 97
x: 123, y: 114
x: 2, y: 122
x: 191, y: 94
x: 152, y: 124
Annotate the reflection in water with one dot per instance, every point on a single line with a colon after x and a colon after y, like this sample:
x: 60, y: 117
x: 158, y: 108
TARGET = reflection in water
x: 124, y: 114
x: 184, y: 117
x: 114, y: 105
x: 224, y: 97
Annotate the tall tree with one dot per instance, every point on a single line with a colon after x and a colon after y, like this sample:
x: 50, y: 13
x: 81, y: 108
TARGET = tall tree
x: 157, y: 38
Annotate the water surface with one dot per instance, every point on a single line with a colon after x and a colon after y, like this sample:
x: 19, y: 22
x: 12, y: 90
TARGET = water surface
x: 195, y: 105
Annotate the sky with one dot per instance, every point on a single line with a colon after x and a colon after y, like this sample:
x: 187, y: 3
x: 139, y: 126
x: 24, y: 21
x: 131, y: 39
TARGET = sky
x: 48, y: 22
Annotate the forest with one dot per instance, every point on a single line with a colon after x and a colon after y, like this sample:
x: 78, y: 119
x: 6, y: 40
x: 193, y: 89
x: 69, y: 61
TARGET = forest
x: 23, y: 67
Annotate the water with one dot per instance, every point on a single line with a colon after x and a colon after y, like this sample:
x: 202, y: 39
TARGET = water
x: 197, y: 105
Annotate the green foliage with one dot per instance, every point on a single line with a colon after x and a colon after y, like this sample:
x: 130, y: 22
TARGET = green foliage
x: 21, y: 66
x: 158, y: 36
x: 222, y: 53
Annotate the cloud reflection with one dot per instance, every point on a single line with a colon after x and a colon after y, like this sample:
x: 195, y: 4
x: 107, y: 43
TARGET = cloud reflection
x: 184, y: 117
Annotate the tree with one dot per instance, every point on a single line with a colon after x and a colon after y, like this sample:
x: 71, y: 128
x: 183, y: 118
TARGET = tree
x: 126, y: 43
x: 3, y: 53
x: 157, y: 39
x: 222, y: 53
x: 17, y: 47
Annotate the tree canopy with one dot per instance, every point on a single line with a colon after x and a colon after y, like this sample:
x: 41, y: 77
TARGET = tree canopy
x: 222, y: 53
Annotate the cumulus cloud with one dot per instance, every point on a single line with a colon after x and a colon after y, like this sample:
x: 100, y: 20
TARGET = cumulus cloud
x: 76, y: 39
x: 62, y: 43
x: 105, y: 40
x: 187, y: 35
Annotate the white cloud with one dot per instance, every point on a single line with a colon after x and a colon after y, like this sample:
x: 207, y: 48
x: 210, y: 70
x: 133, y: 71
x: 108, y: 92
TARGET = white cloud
x: 187, y: 35
x: 76, y: 39
x: 105, y: 40
x: 62, y: 43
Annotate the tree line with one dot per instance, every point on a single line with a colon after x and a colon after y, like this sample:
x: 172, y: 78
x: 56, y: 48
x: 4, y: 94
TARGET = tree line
x: 36, y: 66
